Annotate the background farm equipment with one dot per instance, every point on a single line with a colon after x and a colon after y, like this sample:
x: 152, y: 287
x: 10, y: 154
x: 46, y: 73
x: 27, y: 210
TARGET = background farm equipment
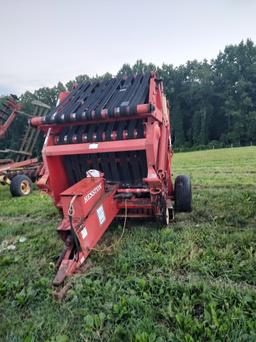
x: 107, y: 154
x: 19, y: 170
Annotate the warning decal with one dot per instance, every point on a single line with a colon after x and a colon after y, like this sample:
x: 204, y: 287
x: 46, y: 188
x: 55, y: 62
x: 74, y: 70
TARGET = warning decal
x: 101, y: 215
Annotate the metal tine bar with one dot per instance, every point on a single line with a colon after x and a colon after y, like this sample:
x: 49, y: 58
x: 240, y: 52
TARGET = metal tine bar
x: 32, y: 146
x: 27, y: 143
x: 34, y: 141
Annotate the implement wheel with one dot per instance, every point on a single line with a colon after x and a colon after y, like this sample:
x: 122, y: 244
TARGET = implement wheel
x: 21, y: 185
x: 183, y: 194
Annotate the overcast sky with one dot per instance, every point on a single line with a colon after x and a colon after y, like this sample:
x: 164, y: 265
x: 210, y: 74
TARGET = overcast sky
x: 46, y: 41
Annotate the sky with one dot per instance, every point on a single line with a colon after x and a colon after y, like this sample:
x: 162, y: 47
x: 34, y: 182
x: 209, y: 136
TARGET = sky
x: 46, y: 41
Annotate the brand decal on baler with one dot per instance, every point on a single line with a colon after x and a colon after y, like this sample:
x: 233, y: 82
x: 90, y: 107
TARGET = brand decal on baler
x: 92, y: 193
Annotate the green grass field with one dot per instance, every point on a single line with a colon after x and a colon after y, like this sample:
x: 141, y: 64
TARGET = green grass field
x: 193, y: 282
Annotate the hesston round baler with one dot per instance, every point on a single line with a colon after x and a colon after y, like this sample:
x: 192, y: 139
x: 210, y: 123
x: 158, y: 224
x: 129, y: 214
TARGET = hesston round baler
x: 107, y: 154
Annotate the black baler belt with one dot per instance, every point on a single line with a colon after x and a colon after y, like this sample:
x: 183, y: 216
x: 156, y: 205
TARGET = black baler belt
x: 98, y: 105
x: 125, y: 102
x: 95, y: 163
x: 81, y: 167
x: 125, y: 167
x: 120, y: 129
x: 96, y: 96
x: 69, y: 170
x: 75, y: 168
x: 140, y: 129
x: 73, y: 102
x: 105, y: 166
x: 113, y: 167
x: 109, y: 94
x: 93, y: 99
x: 71, y: 132
x: 63, y: 133
x: 80, y: 133
x: 85, y: 100
x: 119, y: 94
x: 142, y: 163
x: 100, y: 131
x: 131, y: 91
x: 142, y: 92
x: 90, y: 133
x: 131, y: 128
x: 84, y: 162
x: 135, y: 167
x: 109, y: 130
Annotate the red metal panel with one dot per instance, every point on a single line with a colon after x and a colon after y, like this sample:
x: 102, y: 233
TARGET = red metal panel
x: 88, y: 230
x: 100, y: 147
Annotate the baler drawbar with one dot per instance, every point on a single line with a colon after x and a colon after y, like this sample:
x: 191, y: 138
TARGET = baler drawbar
x: 107, y: 154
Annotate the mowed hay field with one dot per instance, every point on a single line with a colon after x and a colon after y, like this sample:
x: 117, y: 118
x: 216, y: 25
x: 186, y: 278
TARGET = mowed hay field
x: 195, y: 281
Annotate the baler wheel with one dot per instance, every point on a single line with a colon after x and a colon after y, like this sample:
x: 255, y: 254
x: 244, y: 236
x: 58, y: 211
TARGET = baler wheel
x: 21, y: 185
x: 183, y: 194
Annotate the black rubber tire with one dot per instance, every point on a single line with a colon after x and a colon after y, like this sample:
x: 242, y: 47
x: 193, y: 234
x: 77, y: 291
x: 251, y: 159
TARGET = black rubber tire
x: 21, y: 185
x: 183, y: 194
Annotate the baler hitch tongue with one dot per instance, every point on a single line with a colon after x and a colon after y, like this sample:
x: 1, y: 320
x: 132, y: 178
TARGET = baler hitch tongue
x: 89, y: 207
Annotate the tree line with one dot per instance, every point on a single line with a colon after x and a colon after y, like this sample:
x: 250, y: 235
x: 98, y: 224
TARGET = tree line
x: 213, y: 103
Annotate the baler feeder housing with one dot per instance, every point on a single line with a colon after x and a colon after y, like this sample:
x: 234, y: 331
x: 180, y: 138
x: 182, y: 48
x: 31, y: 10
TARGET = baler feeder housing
x: 107, y: 154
